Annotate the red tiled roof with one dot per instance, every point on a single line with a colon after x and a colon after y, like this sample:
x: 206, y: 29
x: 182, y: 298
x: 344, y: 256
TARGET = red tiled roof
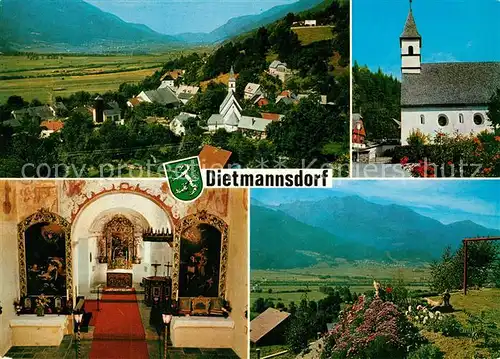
x: 134, y: 101
x: 213, y: 157
x: 265, y: 322
x: 52, y: 125
x: 270, y: 116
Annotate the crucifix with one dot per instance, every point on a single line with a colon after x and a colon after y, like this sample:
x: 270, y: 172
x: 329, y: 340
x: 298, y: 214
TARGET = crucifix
x: 168, y: 265
x: 156, y: 265
x: 411, y: 1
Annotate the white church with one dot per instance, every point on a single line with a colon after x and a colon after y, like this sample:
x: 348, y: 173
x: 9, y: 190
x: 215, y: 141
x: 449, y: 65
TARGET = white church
x: 443, y: 97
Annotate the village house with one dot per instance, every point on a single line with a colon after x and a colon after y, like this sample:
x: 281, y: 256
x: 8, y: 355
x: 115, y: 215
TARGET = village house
x: 252, y: 91
x: 446, y: 98
x: 109, y: 111
x: 280, y: 70
x: 177, y: 124
x: 310, y: 22
x: 38, y: 112
x: 269, y: 327
x: 214, y: 157
x: 163, y: 96
x: 358, y: 131
x: 50, y: 127
x: 167, y: 81
x: 185, y: 93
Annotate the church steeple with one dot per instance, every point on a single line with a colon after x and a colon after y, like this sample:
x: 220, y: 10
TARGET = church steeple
x: 232, y: 81
x: 411, y: 44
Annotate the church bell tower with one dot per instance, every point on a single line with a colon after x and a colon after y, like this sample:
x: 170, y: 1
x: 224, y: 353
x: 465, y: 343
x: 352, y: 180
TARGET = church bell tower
x: 232, y: 81
x: 411, y: 44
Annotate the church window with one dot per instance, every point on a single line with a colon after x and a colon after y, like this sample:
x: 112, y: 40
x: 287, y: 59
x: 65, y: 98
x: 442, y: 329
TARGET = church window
x: 461, y: 118
x: 410, y: 50
x: 478, y: 119
x: 443, y: 120
x: 422, y: 119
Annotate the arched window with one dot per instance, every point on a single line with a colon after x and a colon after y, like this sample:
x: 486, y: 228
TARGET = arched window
x: 461, y: 118
x: 410, y: 50
x: 422, y: 119
x: 443, y: 120
x: 478, y: 119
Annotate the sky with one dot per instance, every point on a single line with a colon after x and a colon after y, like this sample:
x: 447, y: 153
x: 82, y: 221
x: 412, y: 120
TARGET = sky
x: 451, y: 30
x: 447, y: 201
x: 178, y: 16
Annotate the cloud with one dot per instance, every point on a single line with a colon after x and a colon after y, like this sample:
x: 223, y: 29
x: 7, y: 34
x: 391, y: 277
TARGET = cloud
x: 442, y: 57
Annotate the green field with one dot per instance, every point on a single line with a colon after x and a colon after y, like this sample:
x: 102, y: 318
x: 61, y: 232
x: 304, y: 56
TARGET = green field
x: 44, y: 78
x: 308, y: 35
x: 358, y: 276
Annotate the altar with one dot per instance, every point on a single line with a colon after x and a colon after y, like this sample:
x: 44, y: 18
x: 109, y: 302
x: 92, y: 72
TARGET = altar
x: 31, y: 330
x: 202, y: 332
x: 119, y: 278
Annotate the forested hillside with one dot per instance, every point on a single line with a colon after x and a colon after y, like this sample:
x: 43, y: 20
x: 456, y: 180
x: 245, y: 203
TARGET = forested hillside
x: 377, y: 97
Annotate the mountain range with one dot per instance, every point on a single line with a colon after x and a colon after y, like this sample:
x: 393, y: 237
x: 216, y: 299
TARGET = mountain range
x: 77, y: 26
x: 302, y: 233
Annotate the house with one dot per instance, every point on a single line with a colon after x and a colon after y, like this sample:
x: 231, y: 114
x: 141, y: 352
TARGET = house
x: 50, y: 127
x: 185, y: 93
x: 230, y: 118
x: 448, y: 97
x: 358, y: 131
x: 310, y: 22
x: 167, y: 81
x: 271, y: 116
x: 102, y: 112
x: 252, y: 91
x: 177, y: 124
x: 38, y: 112
x: 213, y: 157
x: 163, y: 96
x: 134, y: 102
x: 269, y: 327
x: 280, y: 70
x: 261, y: 101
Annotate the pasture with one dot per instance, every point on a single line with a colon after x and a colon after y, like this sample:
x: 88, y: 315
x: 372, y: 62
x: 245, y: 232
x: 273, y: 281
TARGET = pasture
x: 45, y: 77
x: 308, y: 35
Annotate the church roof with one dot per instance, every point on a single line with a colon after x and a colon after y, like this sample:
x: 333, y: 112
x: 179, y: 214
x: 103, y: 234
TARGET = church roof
x: 410, y: 30
x: 232, y: 77
x: 215, y: 119
x: 229, y: 97
x: 457, y: 83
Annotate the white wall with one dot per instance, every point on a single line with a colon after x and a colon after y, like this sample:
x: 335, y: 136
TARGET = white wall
x: 9, y: 282
x: 410, y: 121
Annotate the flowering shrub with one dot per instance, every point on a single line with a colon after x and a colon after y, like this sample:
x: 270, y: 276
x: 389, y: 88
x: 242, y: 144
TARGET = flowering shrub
x: 453, y: 156
x: 375, y: 329
x: 448, y: 325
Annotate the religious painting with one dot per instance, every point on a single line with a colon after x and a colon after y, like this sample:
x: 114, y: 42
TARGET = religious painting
x: 200, y: 256
x: 45, y: 263
x: 200, y: 261
x: 46, y: 259
x: 118, y: 244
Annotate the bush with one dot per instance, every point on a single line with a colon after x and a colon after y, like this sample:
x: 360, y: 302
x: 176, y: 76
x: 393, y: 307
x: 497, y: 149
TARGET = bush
x: 449, y: 326
x: 427, y: 351
x: 372, y: 329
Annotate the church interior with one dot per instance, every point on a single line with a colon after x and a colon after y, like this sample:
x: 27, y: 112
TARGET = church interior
x: 121, y: 269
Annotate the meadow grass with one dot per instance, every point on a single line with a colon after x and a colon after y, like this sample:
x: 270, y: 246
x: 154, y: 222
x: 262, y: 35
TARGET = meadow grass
x: 308, y: 35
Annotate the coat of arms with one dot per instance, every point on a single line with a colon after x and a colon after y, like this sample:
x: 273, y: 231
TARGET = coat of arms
x: 184, y: 178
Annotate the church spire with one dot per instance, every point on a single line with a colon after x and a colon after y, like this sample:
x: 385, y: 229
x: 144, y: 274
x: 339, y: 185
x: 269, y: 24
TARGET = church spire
x: 411, y: 44
x: 232, y: 81
x: 410, y: 31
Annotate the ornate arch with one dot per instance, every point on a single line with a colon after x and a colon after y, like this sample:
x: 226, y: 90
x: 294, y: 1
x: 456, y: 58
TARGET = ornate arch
x: 201, y: 217
x: 44, y: 216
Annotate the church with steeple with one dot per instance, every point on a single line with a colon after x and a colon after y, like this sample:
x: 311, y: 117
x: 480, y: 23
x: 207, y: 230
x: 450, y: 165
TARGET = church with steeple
x: 449, y: 97
x: 229, y: 116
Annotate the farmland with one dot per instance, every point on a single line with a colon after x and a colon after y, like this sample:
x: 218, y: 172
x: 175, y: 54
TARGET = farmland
x: 284, y: 285
x: 44, y: 77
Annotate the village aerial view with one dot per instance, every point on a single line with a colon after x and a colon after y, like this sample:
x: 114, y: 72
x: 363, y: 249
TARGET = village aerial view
x: 269, y: 90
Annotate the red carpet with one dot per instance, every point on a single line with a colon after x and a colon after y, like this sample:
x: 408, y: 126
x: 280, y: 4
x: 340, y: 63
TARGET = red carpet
x: 91, y: 306
x: 118, y: 332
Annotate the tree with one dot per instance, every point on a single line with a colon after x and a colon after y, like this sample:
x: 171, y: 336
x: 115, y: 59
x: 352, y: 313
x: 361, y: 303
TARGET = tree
x: 494, y: 109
